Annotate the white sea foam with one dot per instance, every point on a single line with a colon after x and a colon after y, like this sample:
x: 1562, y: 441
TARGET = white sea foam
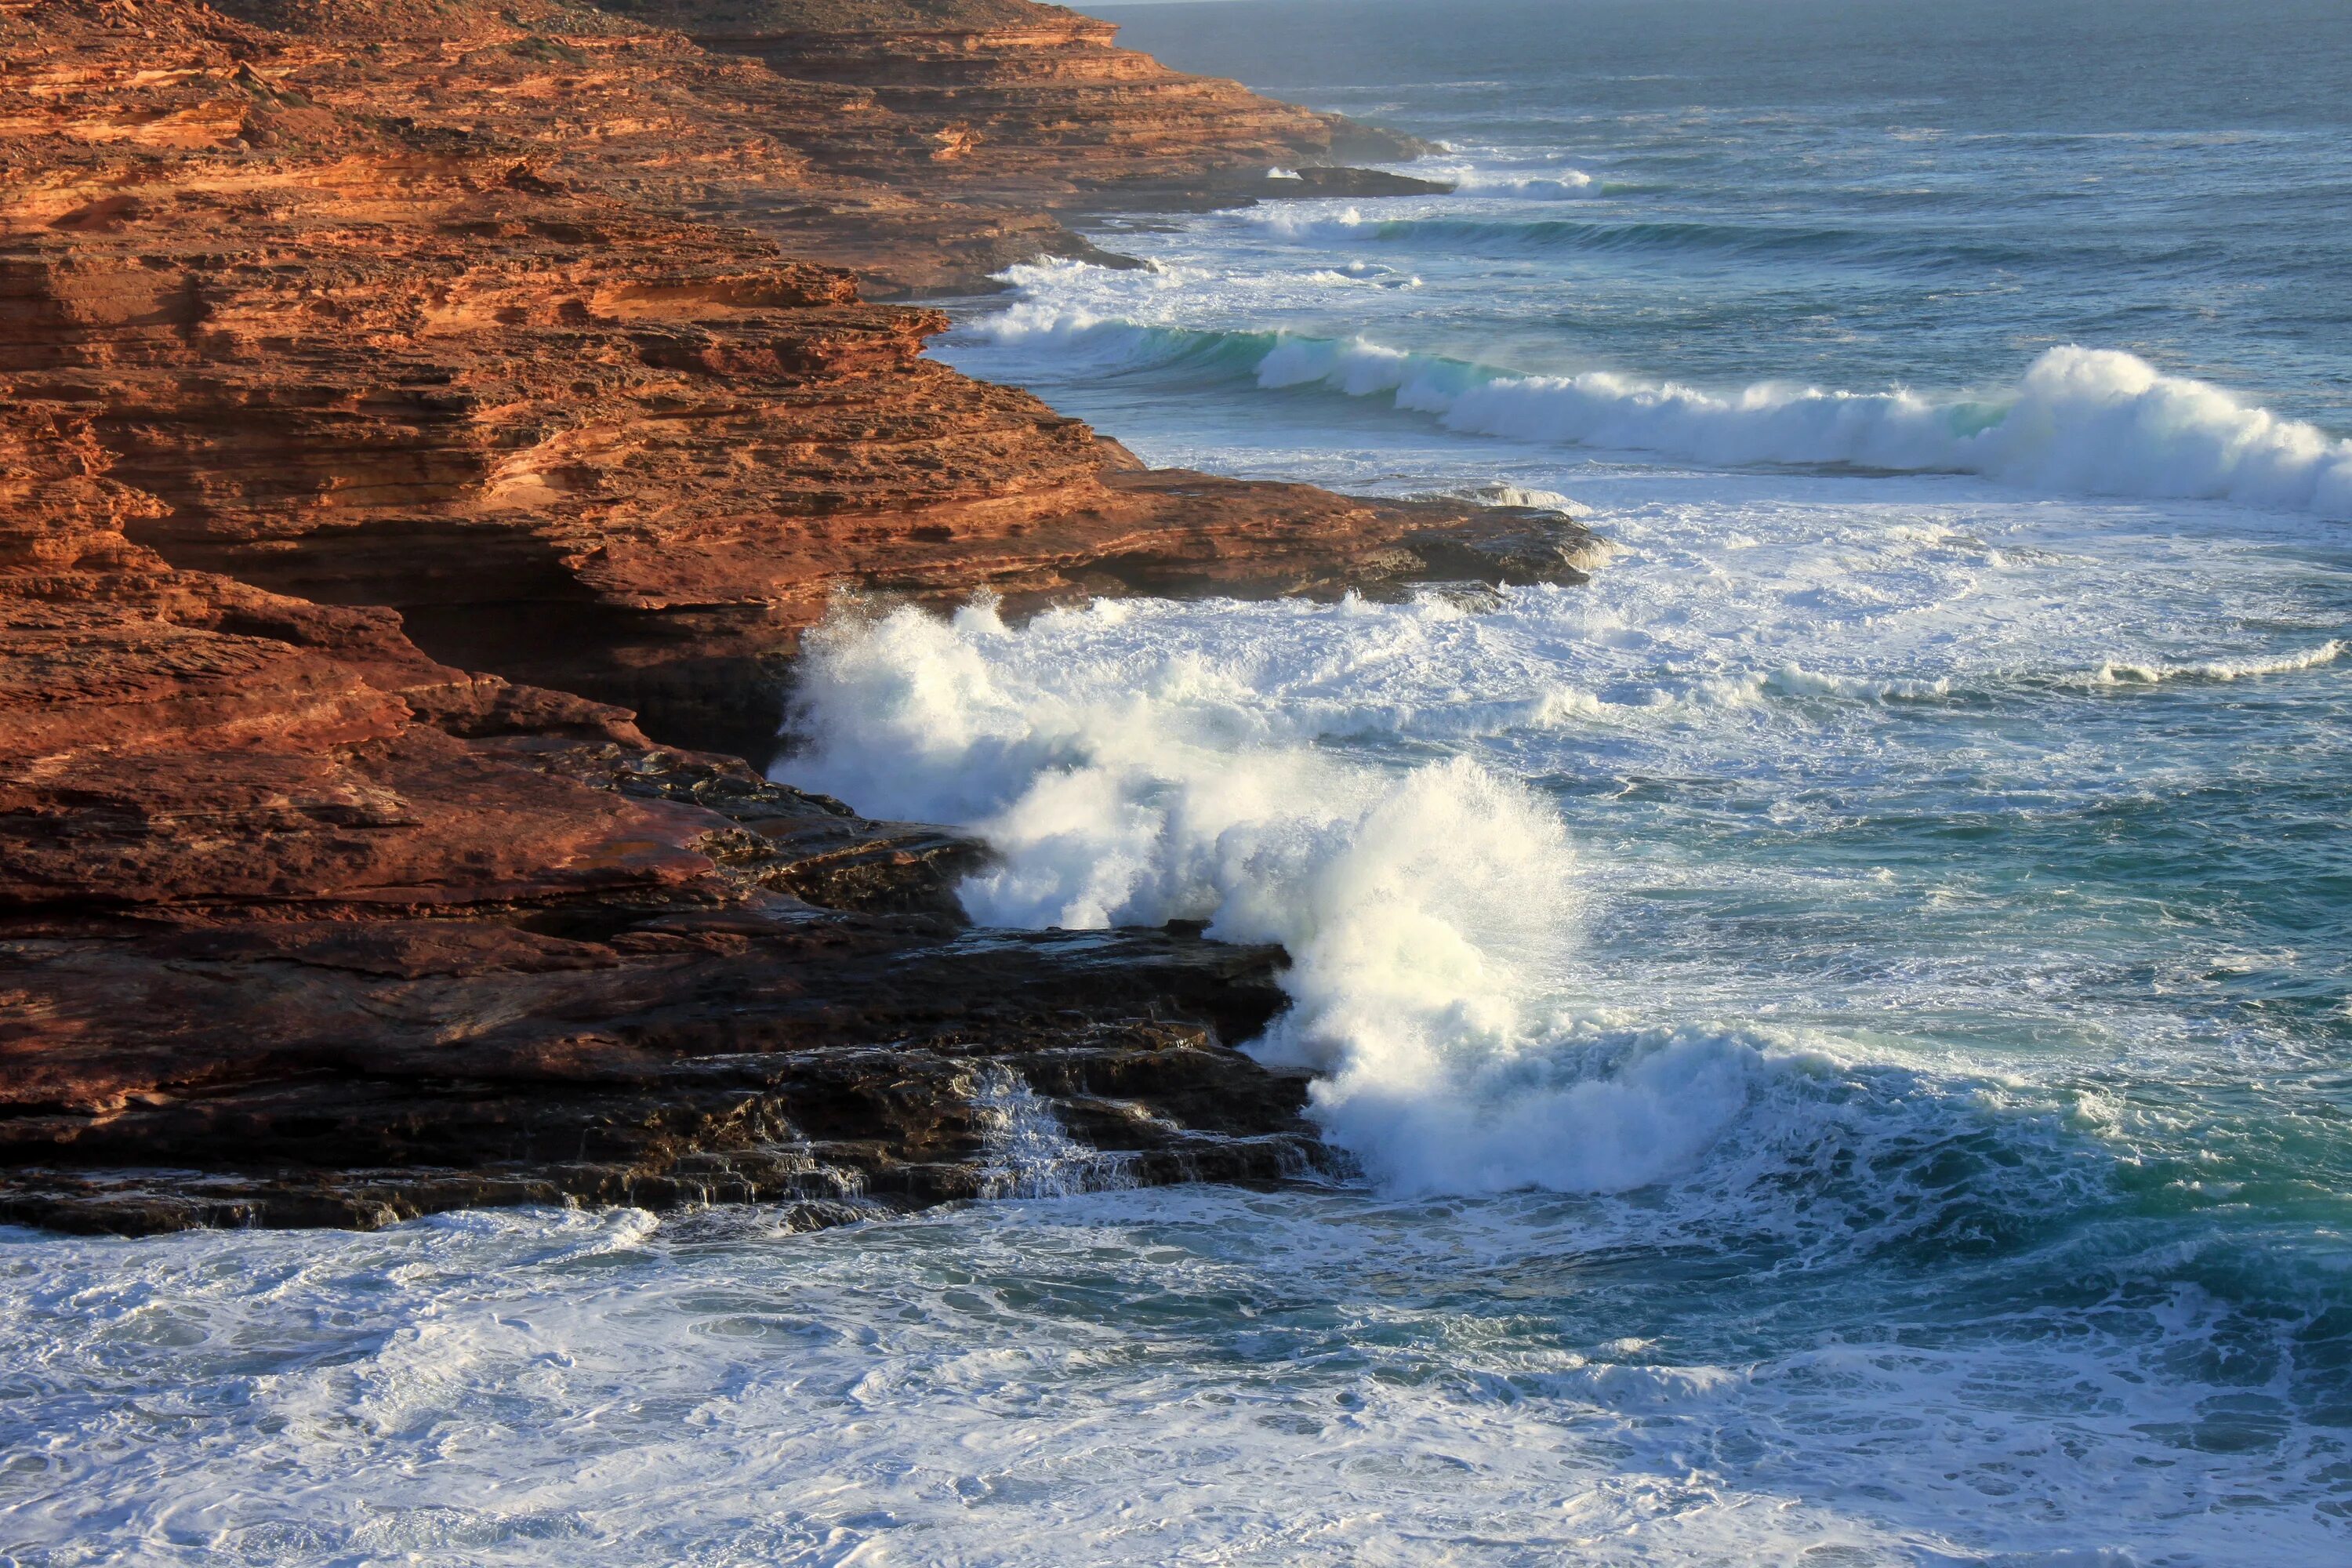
x: 1424, y: 910
x: 1026, y: 1152
x: 2079, y: 421
x: 1135, y: 762
x: 1306, y: 220
x: 1889, y: 1306
x: 1560, y: 185
x: 1193, y: 1375
x: 1499, y: 494
x: 1796, y: 680
x: 2122, y: 672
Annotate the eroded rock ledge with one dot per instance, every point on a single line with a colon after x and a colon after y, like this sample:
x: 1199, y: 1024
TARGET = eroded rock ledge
x: 424, y: 431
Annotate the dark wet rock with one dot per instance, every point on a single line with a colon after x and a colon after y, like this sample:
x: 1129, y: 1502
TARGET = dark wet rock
x: 1338, y: 180
x: 1512, y: 547
x: 263, y: 1073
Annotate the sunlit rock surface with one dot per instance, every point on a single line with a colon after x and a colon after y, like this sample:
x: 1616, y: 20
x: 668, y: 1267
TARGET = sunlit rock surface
x: 424, y: 432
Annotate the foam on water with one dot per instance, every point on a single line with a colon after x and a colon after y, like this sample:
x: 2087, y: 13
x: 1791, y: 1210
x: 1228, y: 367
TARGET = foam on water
x: 1558, y: 185
x: 1198, y: 1376
x: 1845, y: 1014
x: 2078, y: 421
x: 2118, y: 672
x: 1423, y: 909
x: 1337, y: 779
x: 1026, y: 1152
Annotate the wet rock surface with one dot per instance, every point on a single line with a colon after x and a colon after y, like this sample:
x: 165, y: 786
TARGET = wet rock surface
x: 1340, y: 180
x: 352, y: 1074
x: 425, y: 430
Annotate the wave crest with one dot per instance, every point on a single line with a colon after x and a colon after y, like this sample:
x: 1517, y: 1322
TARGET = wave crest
x: 1425, y: 910
x: 2119, y: 672
x: 2080, y: 420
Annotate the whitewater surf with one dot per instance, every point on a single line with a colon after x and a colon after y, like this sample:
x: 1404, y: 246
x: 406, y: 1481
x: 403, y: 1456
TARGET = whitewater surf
x: 1835, y: 1036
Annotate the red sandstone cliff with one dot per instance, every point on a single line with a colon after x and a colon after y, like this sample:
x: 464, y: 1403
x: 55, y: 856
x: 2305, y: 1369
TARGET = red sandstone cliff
x: 388, y: 389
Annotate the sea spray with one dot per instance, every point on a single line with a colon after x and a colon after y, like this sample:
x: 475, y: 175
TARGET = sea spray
x: 2040, y: 1262
x: 1425, y: 910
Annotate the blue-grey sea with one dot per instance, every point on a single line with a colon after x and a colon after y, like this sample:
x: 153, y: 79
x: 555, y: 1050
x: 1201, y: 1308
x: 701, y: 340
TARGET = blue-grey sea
x: 1843, y: 1022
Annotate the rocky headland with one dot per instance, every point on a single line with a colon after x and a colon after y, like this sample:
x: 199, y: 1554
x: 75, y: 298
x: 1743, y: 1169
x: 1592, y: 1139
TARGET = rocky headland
x: 426, y: 428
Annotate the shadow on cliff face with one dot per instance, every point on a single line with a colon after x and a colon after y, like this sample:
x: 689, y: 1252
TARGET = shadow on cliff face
x: 661, y: 664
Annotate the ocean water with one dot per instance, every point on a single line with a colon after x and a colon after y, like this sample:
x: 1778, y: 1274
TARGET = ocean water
x: 1843, y: 1022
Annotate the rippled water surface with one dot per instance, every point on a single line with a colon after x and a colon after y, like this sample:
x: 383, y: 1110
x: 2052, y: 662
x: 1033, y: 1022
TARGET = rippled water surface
x: 1845, y: 1021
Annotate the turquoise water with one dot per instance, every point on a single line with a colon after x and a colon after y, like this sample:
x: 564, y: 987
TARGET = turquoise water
x: 1844, y: 1022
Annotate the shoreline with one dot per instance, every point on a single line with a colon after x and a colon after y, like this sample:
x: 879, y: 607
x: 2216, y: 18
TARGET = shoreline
x: 428, y: 432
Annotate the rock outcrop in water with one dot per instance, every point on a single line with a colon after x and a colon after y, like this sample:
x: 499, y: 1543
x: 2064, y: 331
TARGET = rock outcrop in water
x: 408, y: 410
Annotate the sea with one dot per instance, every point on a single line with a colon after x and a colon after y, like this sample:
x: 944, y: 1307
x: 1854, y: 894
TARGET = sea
x: 1836, y: 1034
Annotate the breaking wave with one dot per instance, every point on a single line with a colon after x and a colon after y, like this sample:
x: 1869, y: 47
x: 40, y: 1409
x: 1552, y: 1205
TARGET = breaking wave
x: 2119, y: 672
x: 1562, y: 184
x: 2079, y: 421
x: 1424, y: 910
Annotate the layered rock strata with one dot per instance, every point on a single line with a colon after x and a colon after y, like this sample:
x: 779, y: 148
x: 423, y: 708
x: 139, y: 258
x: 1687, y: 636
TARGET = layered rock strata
x: 419, y: 454
x: 298, y: 926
